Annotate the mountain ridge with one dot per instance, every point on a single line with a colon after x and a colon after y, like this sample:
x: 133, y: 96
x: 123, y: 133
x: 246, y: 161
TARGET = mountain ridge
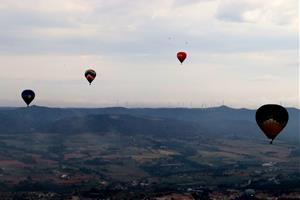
x: 160, y: 122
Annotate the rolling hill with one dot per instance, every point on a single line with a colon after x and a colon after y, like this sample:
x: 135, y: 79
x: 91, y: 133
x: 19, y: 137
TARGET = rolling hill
x: 162, y: 122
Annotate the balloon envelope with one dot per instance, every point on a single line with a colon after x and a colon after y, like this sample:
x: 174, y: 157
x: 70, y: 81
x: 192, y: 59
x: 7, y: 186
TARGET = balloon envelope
x: 28, y: 96
x: 90, y: 75
x: 250, y: 192
x: 272, y: 119
x: 181, y: 56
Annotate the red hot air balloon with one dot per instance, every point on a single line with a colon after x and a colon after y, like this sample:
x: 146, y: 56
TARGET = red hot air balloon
x: 272, y: 119
x: 90, y: 75
x: 181, y: 56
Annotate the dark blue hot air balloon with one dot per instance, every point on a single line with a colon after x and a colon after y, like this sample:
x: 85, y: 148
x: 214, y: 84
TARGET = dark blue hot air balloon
x: 28, y: 96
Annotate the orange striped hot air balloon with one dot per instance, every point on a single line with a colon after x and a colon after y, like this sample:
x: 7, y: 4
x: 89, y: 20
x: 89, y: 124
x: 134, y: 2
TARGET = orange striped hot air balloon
x: 272, y: 119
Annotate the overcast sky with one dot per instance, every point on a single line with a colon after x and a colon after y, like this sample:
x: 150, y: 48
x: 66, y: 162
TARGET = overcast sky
x: 240, y: 52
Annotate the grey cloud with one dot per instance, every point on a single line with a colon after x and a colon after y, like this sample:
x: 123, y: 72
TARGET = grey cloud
x: 188, y: 2
x: 272, y: 12
x: 150, y: 38
x: 233, y: 11
x: 19, y: 20
x: 110, y: 21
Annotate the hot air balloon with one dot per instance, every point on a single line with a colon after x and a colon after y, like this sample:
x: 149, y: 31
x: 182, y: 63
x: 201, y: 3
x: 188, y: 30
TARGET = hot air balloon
x: 90, y: 75
x: 28, y: 96
x: 250, y: 192
x: 181, y: 56
x: 272, y: 119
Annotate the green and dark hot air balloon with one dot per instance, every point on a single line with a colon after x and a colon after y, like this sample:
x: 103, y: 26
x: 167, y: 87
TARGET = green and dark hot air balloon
x: 90, y: 75
x: 250, y: 192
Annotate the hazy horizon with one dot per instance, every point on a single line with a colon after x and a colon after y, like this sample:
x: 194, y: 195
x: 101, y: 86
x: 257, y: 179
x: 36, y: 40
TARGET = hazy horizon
x: 128, y: 106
